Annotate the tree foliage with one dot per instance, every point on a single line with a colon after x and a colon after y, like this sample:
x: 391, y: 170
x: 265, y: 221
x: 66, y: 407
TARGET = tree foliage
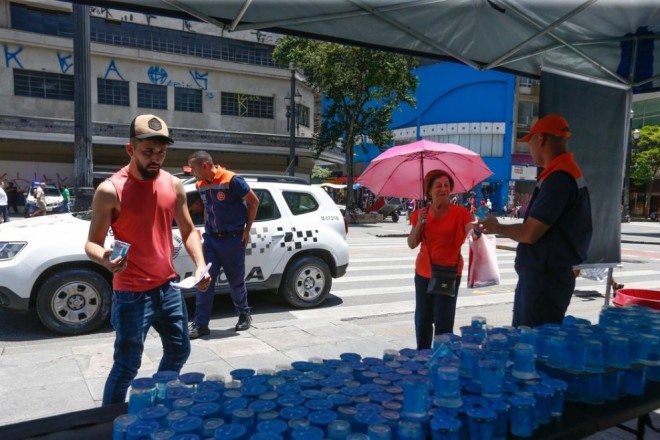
x: 362, y: 87
x: 319, y: 174
x: 646, y: 160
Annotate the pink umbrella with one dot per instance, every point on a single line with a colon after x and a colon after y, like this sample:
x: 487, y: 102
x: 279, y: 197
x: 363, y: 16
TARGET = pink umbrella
x: 399, y: 171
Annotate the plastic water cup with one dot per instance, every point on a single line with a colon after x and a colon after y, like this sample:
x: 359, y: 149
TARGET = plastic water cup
x: 274, y: 426
x: 501, y: 425
x: 612, y: 382
x: 162, y: 434
x: 577, y: 353
x: 379, y: 432
x: 162, y: 378
x: 183, y: 404
x: 192, y: 379
x: 522, y: 416
x: 557, y: 351
x: 230, y: 431
x: 527, y: 335
x: 523, y: 361
x: 634, y: 381
x: 416, y: 394
x: 469, y: 352
x: 119, y: 249
x: 595, y: 389
x: 559, y: 388
x: 121, y: 424
x: 187, y: 425
x: 445, y: 428
x: 339, y: 429
x: 543, y: 397
x: 157, y: 414
x: 478, y: 321
x: 141, y: 429
x: 209, y: 426
x: 481, y: 422
x: 595, y: 356
x: 307, y: 433
x: 491, y: 372
x: 142, y: 394
x: 409, y: 431
x: 173, y: 416
x: 448, y: 391
x: 618, y: 352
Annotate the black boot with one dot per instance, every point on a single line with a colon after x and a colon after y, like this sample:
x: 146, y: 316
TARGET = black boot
x: 197, y: 331
x: 244, y: 321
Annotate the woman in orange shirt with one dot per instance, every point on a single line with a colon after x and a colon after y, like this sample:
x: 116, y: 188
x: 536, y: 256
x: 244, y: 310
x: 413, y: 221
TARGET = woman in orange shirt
x: 441, y: 228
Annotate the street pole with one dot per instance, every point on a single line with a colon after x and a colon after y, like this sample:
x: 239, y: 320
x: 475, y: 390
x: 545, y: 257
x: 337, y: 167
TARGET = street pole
x: 292, y: 126
x: 82, y: 94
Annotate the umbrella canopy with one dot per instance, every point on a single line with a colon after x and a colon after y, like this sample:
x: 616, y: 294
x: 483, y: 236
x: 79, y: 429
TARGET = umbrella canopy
x: 399, y: 171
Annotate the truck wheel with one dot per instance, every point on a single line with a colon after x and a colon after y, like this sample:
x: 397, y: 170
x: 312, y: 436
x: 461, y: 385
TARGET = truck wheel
x: 395, y: 217
x: 74, y: 301
x: 306, y: 282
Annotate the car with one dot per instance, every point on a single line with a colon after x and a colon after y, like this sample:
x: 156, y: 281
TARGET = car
x: 297, y: 246
x: 54, y: 199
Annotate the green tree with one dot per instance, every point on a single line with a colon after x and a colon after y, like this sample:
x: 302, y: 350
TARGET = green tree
x: 319, y: 174
x: 362, y: 88
x: 646, y: 161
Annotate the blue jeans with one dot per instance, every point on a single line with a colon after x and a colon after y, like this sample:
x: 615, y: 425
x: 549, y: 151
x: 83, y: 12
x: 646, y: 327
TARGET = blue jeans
x: 4, y: 212
x: 133, y: 313
x: 542, y: 295
x: 228, y: 253
x: 434, y: 314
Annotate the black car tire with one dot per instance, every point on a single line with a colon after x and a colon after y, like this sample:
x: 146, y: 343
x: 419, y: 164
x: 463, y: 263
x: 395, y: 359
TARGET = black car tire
x: 307, y: 282
x: 395, y: 217
x: 74, y: 301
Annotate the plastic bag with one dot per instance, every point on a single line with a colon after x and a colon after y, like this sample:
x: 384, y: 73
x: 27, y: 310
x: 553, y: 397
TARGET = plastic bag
x: 596, y: 274
x: 483, y: 269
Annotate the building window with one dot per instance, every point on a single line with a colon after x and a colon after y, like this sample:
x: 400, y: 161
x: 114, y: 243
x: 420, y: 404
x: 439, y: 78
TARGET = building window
x: 140, y: 36
x: 112, y: 92
x: 250, y: 106
x: 152, y: 96
x: 304, y: 116
x: 46, y: 85
x: 188, y: 100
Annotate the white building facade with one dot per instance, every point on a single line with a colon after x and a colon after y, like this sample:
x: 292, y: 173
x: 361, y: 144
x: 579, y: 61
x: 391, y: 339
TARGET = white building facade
x: 220, y: 93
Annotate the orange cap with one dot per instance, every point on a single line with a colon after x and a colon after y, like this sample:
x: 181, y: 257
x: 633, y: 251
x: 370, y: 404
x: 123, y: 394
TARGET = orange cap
x: 553, y: 124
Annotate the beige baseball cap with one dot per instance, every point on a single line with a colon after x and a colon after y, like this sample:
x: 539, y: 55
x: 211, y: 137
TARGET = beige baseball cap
x: 150, y: 126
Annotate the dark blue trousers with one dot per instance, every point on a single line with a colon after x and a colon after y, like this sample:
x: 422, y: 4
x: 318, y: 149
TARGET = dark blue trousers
x: 542, y: 295
x: 227, y: 253
x: 434, y: 314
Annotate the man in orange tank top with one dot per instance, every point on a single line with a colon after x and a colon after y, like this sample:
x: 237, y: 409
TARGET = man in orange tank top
x: 139, y: 203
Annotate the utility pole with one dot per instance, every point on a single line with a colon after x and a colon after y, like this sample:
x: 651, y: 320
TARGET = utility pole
x: 82, y: 97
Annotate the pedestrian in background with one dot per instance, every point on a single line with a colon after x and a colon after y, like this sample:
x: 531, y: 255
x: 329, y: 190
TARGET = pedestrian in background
x: 230, y: 207
x: 66, y: 197
x: 40, y: 198
x: 556, y: 230
x: 4, y: 208
x: 12, y: 196
x: 139, y: 203
x: 441, y: 228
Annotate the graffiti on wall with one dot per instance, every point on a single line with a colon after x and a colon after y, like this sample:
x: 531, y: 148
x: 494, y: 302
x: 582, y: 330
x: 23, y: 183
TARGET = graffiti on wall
x: 12, y: 56
x: 112, y: 67
x: 65, y: 60
x: 159, y: 76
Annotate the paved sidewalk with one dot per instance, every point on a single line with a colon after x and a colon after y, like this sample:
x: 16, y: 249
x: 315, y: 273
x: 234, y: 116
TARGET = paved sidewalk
x: 42, y: 378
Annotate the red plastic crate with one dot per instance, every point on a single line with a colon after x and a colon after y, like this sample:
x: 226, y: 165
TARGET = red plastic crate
x: 642, y: 297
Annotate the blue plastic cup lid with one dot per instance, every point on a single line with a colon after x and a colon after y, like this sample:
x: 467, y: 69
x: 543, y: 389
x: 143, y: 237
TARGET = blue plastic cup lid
x: 445, y: 424
x: 165, y: 376
x: 313, y: 394
x: 242, y: 373
x: 191, y: 378
x: 230, y: 431
x: 229, y: 406
x: 293, y: 412
x: 307, y: 433
x: 291, y: 400
x: 277, y: 426
x: 350, y: 357
x: 322, y: 417
x: 142, y: 428
x: 262, y: 405
x: 266, y: 436
x: 205, y: 410
x: 186, y: 424
x: 482, y: 414
x: 153, y: 412
x: 318, y: 404
x: 143, y: 383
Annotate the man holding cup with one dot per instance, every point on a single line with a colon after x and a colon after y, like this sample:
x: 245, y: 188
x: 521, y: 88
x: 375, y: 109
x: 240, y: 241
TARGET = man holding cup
x: 139, y: 203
